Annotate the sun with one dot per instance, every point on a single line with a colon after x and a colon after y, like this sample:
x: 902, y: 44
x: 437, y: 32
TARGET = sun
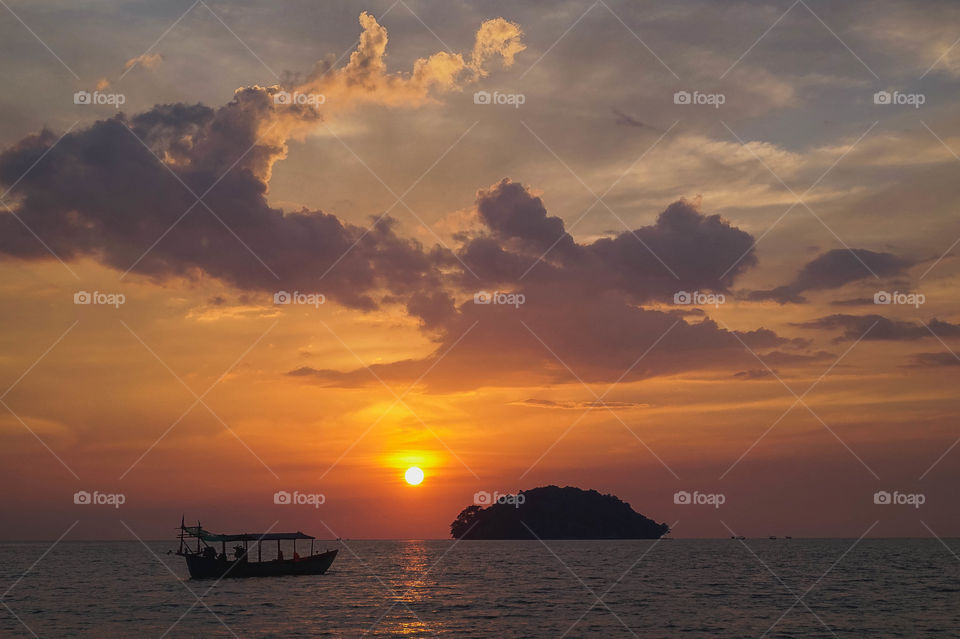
x: 413, y: 475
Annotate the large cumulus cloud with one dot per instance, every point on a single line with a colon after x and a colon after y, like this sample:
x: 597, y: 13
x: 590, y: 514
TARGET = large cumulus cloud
x: 588, y: 307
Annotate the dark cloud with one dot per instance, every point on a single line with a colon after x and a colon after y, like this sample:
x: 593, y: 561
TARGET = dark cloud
x: 857, y: 301
x: 682, y: 250
x: 102, y: 193
x: 832, y: 270
x: 624, y: 119
x: 583, y: 303
x: 881, y: 328
x: 934, y: 360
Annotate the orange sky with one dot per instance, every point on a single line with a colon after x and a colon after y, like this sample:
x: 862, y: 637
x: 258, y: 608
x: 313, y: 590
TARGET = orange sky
x: 200, y: 395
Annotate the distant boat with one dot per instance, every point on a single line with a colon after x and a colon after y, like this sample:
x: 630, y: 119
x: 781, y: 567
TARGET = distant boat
x: 204, y: 562
x: 772, y: 537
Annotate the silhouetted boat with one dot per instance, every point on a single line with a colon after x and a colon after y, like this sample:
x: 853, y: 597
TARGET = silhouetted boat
x: 204, y: 562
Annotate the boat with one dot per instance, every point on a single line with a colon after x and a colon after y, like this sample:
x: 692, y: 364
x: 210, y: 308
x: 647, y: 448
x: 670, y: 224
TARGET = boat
x: 204, y: 562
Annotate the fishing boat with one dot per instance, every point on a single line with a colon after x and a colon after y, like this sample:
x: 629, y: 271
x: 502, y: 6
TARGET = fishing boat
x: 204, y: 562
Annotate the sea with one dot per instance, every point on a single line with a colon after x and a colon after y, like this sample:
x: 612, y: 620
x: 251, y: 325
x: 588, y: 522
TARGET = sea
x: 667, y: 588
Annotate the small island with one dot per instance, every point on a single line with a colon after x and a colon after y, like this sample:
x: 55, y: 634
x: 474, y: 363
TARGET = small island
x: 551, y: 512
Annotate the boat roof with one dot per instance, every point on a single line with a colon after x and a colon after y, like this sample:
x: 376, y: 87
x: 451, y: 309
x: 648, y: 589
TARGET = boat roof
x: 206, y: 535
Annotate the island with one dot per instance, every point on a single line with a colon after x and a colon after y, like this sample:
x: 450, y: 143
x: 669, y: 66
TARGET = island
x: 551, y: 512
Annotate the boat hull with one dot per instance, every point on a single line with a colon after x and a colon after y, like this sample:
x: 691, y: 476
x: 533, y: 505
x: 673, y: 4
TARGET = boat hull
x: 206, y: 568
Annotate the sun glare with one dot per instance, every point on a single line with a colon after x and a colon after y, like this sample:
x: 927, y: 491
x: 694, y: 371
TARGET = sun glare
x: 413, y: 475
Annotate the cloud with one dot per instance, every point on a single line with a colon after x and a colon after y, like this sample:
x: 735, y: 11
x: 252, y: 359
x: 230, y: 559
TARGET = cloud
x: 365, y: 77
x: 683, y: 250
x: 755, y: 373
x: 572, y: 405
x: 881, y: 328
x: 834, y: 269
x: 628, y: 120
x: 122, y: 190
x: 583, y: 316
x: 145, y: 60
x: 934, y: 360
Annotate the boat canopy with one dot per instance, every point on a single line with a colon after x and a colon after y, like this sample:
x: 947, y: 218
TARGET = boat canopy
x: 206, y: 535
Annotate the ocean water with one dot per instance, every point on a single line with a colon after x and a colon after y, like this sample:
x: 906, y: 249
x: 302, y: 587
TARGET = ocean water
x: 671, y: 588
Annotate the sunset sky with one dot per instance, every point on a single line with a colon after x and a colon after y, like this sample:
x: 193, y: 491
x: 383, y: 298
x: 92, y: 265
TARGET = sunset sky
x: 587, y: 192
